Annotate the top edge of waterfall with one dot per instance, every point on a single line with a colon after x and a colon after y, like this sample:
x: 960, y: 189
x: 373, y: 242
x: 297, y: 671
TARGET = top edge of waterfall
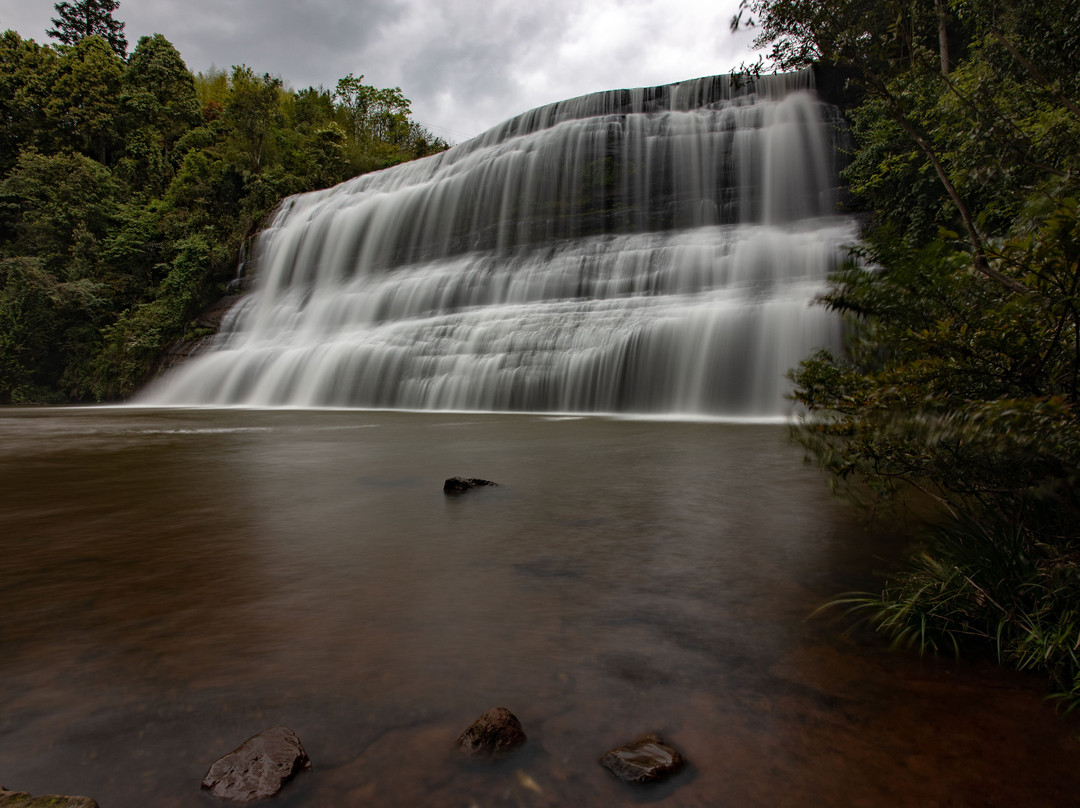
x: 680, y: 96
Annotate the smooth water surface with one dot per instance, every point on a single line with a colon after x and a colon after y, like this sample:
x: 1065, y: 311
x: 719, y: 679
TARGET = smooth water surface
x: 175, y: 581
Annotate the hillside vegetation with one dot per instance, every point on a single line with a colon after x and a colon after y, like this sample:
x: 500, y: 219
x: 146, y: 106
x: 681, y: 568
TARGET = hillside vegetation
x: 129, y: 187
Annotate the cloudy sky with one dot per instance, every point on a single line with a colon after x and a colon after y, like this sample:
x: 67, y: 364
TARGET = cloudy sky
x: 465, y: 64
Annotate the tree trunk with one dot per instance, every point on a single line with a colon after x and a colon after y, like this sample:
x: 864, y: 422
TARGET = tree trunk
x: 943, y: 37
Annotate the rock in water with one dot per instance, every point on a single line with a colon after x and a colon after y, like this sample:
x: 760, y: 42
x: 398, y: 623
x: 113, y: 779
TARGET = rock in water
x: 459, y: 485
x: 20, y: 799
x: 495, y: 734
x: 642, y: 761
x: 259, y: 767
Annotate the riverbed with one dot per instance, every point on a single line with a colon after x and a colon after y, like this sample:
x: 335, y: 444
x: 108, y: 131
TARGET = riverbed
x: 175, y: 581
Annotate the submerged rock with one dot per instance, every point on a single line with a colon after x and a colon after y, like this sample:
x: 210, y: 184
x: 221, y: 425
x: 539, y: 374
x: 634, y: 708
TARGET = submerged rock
x: 20, y: 799
x: 495, y: 734
x: 459, y: 485
x: 642, y: 761
x: 258, y: 768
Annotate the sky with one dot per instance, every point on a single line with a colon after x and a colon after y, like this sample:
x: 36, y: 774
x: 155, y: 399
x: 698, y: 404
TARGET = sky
x: 466, y: 65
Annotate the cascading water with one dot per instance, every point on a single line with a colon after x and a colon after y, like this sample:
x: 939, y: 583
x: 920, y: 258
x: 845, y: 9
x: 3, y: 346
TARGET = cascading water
x: 654, y: 250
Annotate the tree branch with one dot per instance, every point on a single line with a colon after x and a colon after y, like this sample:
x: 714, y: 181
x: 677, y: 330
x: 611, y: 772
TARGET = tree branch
x: 1034, y: 72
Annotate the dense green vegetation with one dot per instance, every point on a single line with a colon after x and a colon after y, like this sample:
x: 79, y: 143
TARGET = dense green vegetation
x: 128, y: 187
x: 960, y: 375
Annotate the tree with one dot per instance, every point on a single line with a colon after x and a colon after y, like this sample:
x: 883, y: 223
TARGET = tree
x: 28, y: 303
x: 85, y: 103
x: 82, y: 18
x: 59, y: 209
x: 56, y: 212
x: 373, y: 113
x: 133, y: 345
x: 961, y: 373
x: 379, y: 129
x: 159, y: 107
x: 159, y: 90
x: 27, y: 72
x: 251, y: 110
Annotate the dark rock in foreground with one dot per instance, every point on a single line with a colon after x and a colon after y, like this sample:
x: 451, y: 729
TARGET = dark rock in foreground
x: 459, y: 485
x: 495, y: 734
x: 20, y: 799
x: 642, y: 761
x: 259, y: 767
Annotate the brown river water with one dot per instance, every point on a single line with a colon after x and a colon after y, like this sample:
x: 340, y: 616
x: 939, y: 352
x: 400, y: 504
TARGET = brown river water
x: 173, y: 582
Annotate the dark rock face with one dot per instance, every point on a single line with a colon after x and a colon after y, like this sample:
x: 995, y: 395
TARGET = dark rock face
x: 840, y: 86
x: 459, y: 485
x: 495, y: 734
x: 642, y: 761
x: 258, y: 768
x: 20, y: 799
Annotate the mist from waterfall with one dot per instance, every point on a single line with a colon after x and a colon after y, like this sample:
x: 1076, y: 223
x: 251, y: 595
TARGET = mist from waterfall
x: 647, y: 251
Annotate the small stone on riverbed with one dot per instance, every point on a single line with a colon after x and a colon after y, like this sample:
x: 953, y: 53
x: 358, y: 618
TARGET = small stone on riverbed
x: 495, y: 734
x: 459, y: 485
x: 643, y: 761
x: 258, y: 768
x: 20, y: 799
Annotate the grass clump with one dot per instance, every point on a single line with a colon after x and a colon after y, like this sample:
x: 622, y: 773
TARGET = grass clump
x: 973, y: 589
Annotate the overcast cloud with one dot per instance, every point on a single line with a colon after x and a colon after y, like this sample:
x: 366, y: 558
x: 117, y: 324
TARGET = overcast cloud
x: 465, y: 64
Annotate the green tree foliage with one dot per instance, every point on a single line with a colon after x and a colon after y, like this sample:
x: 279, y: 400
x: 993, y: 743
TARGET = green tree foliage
x: 252, y: 111
x: 27, y: 73
x: 128, y: 191
x: 212, y: 91
x: 56, y: 213
x: 159, y: 93
x: 380, y: 131
x: 134, y: 343
x: 960, y: 377
x: 59, y: 209
x: 30, y: 301
x: 84, y: 105
x: 82, y: 18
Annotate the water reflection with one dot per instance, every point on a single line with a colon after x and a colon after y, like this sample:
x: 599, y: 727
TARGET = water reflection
x: 175, y: 582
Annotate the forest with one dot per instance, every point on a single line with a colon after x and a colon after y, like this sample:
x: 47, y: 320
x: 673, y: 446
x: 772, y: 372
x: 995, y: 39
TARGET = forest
x: 129, y: 187
x: 958, y: 382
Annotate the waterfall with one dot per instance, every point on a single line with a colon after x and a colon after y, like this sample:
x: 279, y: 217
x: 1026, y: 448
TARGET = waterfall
x: 652, y: 251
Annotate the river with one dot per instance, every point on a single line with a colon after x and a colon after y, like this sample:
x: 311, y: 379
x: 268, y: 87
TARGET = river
x: 177, y: 581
